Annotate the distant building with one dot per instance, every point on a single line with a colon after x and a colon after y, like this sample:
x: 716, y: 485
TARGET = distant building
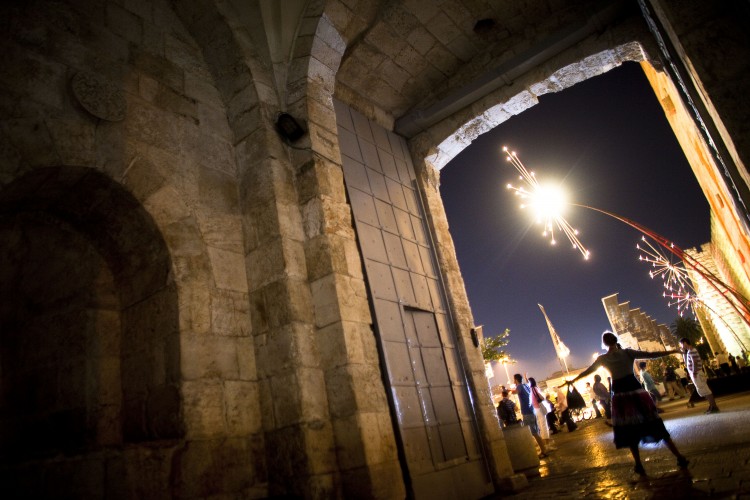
x: 635, y: 328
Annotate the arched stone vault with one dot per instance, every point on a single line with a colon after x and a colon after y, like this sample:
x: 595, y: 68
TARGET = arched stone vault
x: 140, y: 268
x: 386, y: 69
x: 490, y: 117
x: 383, y: 63
x: 155, y: 124
x: 445, y: 137
x: 157, y: 200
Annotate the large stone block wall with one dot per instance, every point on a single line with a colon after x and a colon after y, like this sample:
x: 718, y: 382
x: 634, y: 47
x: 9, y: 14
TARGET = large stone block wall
x: 711, y: 40
x: 122, y: 91
x: 366, y: 454
x: 221, y: 340
x: 277, y: 237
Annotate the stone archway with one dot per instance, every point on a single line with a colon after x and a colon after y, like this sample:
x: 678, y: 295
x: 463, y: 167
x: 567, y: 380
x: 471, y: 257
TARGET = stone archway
x: 89, y: 343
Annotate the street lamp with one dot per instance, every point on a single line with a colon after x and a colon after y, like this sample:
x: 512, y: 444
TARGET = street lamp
x: 550, y: 215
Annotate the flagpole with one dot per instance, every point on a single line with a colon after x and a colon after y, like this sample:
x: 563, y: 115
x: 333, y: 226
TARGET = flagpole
x: 560, y: 349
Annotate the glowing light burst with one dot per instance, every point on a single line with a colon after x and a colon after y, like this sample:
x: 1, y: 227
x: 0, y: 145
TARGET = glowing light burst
x: 679, y: 290
x: 548, y: 203
x: 673, y: 275
x: 683, y: 302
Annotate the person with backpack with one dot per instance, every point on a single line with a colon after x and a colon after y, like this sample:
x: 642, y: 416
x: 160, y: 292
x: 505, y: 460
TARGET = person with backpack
x: 506, y: 410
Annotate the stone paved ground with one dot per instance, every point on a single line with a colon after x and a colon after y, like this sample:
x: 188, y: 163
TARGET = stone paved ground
x: 587, y: 464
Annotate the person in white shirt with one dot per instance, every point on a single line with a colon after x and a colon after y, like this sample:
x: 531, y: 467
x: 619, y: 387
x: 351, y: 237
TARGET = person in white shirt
x: 723, y: 363
x: 562, y: 409
x: 592, y: 395
x: 694, y: 366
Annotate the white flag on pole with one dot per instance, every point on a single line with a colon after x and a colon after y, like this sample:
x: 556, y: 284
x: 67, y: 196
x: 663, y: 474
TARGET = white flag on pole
x: 560, y: 348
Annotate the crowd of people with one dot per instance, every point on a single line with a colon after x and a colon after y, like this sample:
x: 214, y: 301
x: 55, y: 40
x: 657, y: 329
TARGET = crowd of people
x: 627, y: 402
x: 538, y: 412
x: 725, y: 364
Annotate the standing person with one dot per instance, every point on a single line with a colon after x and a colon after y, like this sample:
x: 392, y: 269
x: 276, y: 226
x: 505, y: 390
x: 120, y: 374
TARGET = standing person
x: 712, y: 369
x: 682, y: 376
x: 674, y: 388
x: 562, y: 409
x: 733, y: 364
x: 592, y: 396
x: 506, y: 410
x: 634, y: 415
x: 540, y: 412
x: 551, y: 416
x: 648, y: 382
x: 604, y: 396
x: 523, y: 392
x: 694, y: 367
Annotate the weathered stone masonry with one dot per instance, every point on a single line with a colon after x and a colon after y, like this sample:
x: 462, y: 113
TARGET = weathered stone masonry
x: 184, y: 310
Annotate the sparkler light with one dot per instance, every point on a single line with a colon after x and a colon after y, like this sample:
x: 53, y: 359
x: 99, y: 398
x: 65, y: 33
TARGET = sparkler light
x: 673, y: 274
x: 679, y: 290
x: 548, y: 203
x: 683, y: 302
x: 546, y: 206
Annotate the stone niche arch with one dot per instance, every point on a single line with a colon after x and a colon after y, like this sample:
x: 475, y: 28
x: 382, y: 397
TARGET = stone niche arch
x: 89, y: 332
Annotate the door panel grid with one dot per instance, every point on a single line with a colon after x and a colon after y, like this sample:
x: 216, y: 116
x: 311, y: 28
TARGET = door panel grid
x: 429, y: 395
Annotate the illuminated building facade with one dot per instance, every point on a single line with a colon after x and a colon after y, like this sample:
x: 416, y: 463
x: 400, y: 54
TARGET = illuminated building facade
x: 721, y: 317
x: 635, y: 328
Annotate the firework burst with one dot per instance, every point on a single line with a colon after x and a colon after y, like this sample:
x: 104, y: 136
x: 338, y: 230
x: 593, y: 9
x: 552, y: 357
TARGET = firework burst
x: 673, y: 274
x: 678, y: 289
x: 683, y: 301
x: 547, y: 202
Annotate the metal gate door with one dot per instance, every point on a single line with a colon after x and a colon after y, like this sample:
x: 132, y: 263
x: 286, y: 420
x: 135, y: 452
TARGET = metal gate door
x: 429, y: 394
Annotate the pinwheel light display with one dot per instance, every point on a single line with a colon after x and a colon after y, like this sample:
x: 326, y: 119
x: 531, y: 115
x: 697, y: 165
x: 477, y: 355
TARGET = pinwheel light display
x: 549, y: 205
x: 679, y: 290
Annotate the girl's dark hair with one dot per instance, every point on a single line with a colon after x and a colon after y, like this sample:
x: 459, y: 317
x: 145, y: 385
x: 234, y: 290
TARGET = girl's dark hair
x: 532, y: 381
x: 609, y: 339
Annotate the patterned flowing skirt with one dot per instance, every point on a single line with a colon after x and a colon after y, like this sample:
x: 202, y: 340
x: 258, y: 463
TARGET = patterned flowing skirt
x: 634, y: 415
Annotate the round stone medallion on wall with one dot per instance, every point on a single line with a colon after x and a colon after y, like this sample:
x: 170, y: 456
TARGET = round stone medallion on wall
x: 99, y: 96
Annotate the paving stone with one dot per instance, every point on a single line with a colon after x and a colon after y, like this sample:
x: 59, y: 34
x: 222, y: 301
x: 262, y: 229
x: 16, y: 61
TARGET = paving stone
x: 587, y: 464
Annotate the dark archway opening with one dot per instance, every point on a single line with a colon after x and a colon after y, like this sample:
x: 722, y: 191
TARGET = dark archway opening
x: 89, y: 331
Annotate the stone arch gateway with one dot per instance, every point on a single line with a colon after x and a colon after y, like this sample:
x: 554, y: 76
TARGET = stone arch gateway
x: 251, y: 337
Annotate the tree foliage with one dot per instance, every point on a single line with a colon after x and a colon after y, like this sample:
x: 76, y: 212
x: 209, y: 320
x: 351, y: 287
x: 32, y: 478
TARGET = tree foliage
x: 657, y: 366
x: 691, y: 329
x: 492, y: 347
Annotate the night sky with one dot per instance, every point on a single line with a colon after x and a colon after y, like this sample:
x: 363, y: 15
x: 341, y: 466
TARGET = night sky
x: 607, y: 139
